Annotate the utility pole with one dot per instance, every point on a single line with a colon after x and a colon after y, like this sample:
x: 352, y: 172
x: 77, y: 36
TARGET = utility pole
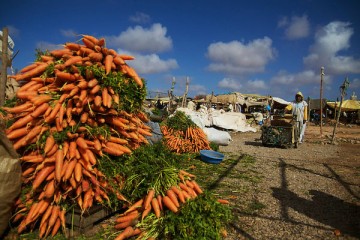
x: 4, y: 65
x: 321, y: 99
x: 343, y: 89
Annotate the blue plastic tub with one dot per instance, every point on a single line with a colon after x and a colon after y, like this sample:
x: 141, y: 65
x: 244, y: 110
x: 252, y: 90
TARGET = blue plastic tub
x: 210, y: 156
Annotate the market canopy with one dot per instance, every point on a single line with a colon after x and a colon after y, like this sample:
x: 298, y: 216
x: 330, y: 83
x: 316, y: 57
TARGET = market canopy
x: 347, y: 105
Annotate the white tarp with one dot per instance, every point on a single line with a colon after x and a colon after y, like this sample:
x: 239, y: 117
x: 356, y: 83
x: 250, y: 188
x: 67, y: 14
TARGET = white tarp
x: 219, y: 118
x: 11, y: 44
x: 230, y: 120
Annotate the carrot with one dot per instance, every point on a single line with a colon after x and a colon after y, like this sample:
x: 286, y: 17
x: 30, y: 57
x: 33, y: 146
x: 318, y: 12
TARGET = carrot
x: 70, y: 169
x: 56, y: 227
x: 72, y: 46
x: 40, y: 176
x: 49, y: 143
x: 189, y: 184
x: 113, y: 151
x: 118, y: 147
x: 68, y: 87
x: 26, y: 95
x: 54, y: 216
x: 40, y: 99
x: 53, y: 113
x: 128, y: 217
x: 96, y: 56
x: 97, y: 101
x: 118, y: 60
x: 156, y: 207
x: 21, y: 122
x: 124, y: 225
x: 60, y: 52
x: 18, y: 108
x: 16, y: 133
x: 126, y: 57
x: 146, y: 212
x: 80, y: 142
x: 197, y: 188
x: 73, y: 60
x: 33, y: 72
x: 65, y: 76
x: 171, y: 194
x: 49, y: 189
x: 169, y: 204
x: 89, y: 41
x: 29, y: 67
x: 40, y: 110
x: 59, y: 162
x: 118, y: 140
x: 179, y: 193
x: 223, y: 201
x: 136, y: 205
x: 107, y: 63
x: 95, y: 89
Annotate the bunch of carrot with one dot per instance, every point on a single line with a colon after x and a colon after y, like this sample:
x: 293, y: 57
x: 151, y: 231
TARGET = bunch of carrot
x: 63, y: 103
x: 192, y: 140
x: 172, y: 199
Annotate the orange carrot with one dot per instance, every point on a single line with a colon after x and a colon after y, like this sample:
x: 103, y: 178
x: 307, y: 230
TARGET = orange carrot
x: 80, y: 142
x: 155, y: 207
x: 16, y: 133
x: 159, y: 199
x: 223, y: 201
x: 171, y: 194
x: 33, y: 72
x: 40, y: 110
x: 136, y: 205
x: 59, y: 162
x: 70, y: 169
x: 40, y: 176
x: 126, y: 57
x: 107, y: 63
x: 49, y: 189
x: 65, y: 76
x: 29, y: 67
x: 197, y: 188
x: 49, y: 143
x: 169, y: 204
x: 60, y: 52
x: 21, y: 122
x: 146, y: 212
x: 56, y: 227
x: 96, y: 56
x: 128, y: 217
x: 179, y: 193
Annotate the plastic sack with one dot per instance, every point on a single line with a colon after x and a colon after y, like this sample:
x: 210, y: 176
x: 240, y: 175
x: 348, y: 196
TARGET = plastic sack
x: 216, y: 136
x: 10, y: 180
x: 156, y: 132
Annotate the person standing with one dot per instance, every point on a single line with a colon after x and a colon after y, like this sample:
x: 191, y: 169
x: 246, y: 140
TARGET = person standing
x: 298, y: 109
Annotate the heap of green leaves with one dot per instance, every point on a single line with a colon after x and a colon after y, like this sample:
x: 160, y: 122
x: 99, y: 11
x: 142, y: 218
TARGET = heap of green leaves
x: 179, y: 121
x: 200, y: 218
x: 151, y: 166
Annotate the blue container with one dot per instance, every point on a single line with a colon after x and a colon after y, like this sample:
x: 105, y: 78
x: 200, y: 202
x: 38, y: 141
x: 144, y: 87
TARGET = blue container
x: 210, y: 156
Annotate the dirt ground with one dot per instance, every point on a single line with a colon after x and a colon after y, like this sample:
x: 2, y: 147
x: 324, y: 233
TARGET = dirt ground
x: 309, y: 192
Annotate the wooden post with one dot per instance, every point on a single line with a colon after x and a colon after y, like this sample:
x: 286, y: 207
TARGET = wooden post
x: 321, y: 99
x: 4, y: 65
x: 343, y: 89
x: 186, y: 92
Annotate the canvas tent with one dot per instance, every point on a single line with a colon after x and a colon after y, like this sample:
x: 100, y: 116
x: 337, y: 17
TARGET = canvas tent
x: 347, y: 105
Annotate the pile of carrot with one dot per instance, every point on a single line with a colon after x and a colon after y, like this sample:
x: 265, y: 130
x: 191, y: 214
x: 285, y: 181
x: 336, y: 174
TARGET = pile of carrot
x: 61, y: 105
x: 192, y: 140
x: 157, y: 203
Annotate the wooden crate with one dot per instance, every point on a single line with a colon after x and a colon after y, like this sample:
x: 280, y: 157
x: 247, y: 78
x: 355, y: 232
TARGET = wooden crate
x: 82, y: 223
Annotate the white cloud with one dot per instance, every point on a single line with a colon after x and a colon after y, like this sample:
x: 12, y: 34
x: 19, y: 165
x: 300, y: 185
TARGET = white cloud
x: 229, y: 83
x: 69, y: 33
x: 148, y: 64
x: 238, y: 58
x: 43, y: 46
x: 295, y: 79
x: 256, y: 85
x: 329, y: 42
x: 13, y: 31
x: 139, y: 39
x: 296, y: 28
x: 140, y: 17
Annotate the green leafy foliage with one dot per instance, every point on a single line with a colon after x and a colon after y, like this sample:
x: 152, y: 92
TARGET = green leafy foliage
x: 200, y: 218
x: 179, y: 121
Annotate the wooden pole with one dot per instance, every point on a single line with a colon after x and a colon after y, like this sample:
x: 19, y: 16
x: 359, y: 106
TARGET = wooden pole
x: 343, y: 89
x: 186, y: 92
x: 321, y: 99
x: 4, y: 65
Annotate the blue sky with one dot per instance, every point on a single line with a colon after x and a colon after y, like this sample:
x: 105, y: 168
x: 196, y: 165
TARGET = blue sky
x: 268, y: 47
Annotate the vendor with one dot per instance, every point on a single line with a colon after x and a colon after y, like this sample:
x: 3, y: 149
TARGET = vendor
x: 299, y: 111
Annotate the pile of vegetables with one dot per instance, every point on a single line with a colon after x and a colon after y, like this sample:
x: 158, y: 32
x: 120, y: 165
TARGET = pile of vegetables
x: 182, y: 135
x: 77, y: 108
x: 166, y: 198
